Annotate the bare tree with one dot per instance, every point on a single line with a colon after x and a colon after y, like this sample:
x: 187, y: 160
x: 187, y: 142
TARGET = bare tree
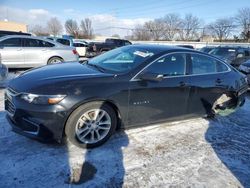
x: 140, y: 33
x: 243, y: 19
x: 189, y: 27
x: 87, y: 30
x: 221, y: 28
x: 54, y: 26
x: 155, y: 29
x: 39, y: 30
x: 72, y: 28
x: 171, y: 23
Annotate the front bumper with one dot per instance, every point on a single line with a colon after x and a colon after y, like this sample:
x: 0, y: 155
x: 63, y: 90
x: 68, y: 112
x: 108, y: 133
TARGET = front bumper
x: 41, y: 122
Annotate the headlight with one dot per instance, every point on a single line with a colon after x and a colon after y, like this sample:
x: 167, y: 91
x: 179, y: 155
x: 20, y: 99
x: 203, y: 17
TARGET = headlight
x: 42, y: 99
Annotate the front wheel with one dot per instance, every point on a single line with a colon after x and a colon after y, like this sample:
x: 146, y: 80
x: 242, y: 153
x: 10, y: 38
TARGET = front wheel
x: 90, y: 125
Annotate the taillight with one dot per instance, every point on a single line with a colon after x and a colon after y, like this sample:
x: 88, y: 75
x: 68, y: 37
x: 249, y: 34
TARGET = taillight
x: 75, y: 52
x: 94, y: 47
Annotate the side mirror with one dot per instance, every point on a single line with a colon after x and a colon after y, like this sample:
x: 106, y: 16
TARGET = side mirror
x: 240, y: 55
x: 148, y: 76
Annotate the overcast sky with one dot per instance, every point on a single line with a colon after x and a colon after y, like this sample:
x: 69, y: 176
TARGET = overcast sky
x: 117, y: 13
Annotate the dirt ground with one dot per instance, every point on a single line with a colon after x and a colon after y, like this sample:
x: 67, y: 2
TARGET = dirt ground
x: 191, y: 153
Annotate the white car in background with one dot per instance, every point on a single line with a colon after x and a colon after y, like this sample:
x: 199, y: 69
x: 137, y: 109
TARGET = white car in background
x: 81, y: 48
x: 19, y: 51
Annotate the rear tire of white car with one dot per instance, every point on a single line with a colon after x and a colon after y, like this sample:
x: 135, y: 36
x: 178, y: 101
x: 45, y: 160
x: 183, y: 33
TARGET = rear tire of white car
x: 55, y: 60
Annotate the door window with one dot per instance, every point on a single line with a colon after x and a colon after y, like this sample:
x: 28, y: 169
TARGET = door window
x: 37, y: 43
x: 11, y: 42
x: 201, y: 64
x: 170, y: 65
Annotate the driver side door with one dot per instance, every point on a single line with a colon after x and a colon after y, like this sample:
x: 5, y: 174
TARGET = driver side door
x: 155, y: 101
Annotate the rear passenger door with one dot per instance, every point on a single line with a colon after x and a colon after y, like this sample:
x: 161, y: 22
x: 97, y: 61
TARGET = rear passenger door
x: 207, y: 82
x: 35, y: 51
x: 12, y: 52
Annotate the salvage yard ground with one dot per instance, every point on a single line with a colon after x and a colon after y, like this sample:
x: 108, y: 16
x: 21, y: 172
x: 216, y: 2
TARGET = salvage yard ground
x: 195, y: 153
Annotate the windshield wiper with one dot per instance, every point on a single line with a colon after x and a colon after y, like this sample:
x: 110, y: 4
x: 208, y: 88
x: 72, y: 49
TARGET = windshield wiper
x: 97, y: 67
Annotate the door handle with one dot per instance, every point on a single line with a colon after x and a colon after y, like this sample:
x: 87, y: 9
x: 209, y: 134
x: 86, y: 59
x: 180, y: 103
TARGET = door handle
x: 218, y: 81
x: 182, y: 84
x: 19, y: 49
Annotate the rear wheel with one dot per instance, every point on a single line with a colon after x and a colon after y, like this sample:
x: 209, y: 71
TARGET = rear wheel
x: 91, y: 125
x: 55, y: 60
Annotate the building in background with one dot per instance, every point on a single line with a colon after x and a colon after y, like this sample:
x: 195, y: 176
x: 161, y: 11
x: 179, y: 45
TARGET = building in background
x: 13, y: 26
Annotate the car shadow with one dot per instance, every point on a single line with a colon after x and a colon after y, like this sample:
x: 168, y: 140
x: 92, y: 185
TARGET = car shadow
x: 100, y: 167
x: 230, y: 139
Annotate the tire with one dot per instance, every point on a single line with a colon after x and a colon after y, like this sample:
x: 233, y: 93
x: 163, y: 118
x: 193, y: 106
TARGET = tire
x: 54, y: 60
x: 83, y: 123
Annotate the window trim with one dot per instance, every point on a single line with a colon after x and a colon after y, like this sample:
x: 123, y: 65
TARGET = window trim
x: 187, y: 62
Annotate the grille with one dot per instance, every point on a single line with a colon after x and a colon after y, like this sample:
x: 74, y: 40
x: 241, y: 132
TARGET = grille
x: 10, y: 107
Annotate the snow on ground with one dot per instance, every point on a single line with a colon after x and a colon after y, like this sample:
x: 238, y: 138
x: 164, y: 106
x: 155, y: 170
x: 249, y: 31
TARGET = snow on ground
x: 191, y: 153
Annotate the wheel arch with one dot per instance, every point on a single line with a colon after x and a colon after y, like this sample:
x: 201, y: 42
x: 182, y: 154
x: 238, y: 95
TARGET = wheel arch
x: 111, y: 103
x: 57, y: 56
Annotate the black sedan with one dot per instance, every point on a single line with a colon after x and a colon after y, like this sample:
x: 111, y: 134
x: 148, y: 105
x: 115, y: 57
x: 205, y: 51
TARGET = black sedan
x: 129, y: 86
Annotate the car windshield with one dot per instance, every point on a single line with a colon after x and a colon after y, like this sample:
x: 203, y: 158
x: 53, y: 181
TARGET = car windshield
x: 121, y: 59
x: 223, y: 51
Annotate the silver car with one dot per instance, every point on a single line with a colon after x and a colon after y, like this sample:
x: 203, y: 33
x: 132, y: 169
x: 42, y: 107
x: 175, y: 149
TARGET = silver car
x: 3, y: 73
x: 20, y: 51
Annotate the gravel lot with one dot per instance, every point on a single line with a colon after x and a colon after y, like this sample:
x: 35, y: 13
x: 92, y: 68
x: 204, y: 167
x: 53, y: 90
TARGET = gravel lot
x: 191, y: 153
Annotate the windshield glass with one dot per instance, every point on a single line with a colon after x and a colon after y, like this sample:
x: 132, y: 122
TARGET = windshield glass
x: 121, y: 59
x: 223, y: 51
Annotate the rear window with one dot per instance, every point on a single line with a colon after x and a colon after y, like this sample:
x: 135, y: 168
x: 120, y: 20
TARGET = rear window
x: 63, y: 41
x: 204, y: 65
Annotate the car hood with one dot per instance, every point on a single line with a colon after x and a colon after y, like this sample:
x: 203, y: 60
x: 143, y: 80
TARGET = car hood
x: 53, y: 74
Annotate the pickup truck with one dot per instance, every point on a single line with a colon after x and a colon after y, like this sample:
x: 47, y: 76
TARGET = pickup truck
x: 96, y: 48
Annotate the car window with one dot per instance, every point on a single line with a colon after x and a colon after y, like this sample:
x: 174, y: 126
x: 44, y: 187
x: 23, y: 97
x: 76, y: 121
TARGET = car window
x: 170, y: 65
x: 37, y: 43
x: 201, y: 64
x: 63, y: 41
x: 11, y: 42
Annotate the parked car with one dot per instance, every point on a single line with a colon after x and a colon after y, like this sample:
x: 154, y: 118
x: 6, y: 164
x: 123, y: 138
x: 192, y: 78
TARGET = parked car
x: 127, y: 86
x: 245, y: 68
x: 63, y: 41
x: 186, y: 46
x: 4, y: 33
x: 232, y: 55
x: 3, y: 73
x: 207, y: 49
x: 96, y: 48
x: 25, y: 51
x: 80, y: 48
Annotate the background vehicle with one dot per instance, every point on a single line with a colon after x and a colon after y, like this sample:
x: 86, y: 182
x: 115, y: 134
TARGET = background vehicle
x: 3, y: 73
x: 80, y: 48
x: 245, y: 68
x: 127, y: 86
x: 207, y: 49
x: 4, y: 33
x: 63, y: 41
x: 20, y: 51
x: 232, y: 55
x: 95, y: 48
x: 186, y: 46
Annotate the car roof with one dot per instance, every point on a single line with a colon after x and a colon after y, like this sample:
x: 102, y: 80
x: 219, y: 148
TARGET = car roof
x: 162, y: 48
x: 29, y: 37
